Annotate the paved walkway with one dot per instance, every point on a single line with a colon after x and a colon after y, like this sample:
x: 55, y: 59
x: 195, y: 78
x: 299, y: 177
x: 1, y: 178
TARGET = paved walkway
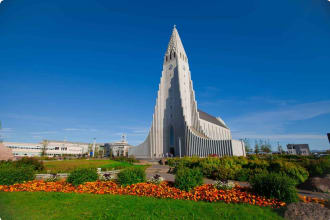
x: 162, y: 170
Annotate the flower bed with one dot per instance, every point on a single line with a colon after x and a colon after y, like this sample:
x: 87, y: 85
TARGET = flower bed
x: 202, y: 193
x: 306, y: 199
x: 205, y: 192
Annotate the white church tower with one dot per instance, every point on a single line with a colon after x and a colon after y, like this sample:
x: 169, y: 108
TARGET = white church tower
x: 178, y: 127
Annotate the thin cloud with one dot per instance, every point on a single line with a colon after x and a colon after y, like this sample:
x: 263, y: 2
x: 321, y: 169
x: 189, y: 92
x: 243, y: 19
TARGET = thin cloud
x: 43, y: 132
x: 80, y: 129
x: 7, y: 130
x: 275, y: 121
x: 280, y: 136
x: 73, y: 129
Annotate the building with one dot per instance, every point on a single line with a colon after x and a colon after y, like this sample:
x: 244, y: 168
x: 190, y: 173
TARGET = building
x: 298, y: 149
x: 178, y: 127
x: 116, y: 149
x: 52, y: 148
x: 5, y: 153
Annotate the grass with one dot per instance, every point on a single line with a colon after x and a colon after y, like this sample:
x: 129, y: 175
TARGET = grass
x: 66, y: 166
x: 43, y: 205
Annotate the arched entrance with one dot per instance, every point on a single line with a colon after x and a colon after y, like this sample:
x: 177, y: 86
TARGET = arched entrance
x: 172, y: 140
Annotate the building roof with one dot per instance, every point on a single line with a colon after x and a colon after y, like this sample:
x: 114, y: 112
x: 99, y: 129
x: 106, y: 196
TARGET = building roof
x: 207, y: 117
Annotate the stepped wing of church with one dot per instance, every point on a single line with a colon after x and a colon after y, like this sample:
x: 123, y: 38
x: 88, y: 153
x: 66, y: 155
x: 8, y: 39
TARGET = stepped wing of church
x: 178, y: 127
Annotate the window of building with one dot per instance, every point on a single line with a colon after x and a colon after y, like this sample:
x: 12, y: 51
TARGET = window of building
x: 171, y: 135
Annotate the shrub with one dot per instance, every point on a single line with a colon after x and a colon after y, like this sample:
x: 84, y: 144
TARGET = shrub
x: 223, y: 173
x: 10, y: 175
x: 30, y: 161
x: 80, y: 176
x: 294, y: 171
x: 243, y: 175
x: 156, y: 179
x: 186, y: 178
x: 274, y: 185
x: 318, y: 167
x: 130, y: 159
x: 131, y: 175
x: 224, y: 185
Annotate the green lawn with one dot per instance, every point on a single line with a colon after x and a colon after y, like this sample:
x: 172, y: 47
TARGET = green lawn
x: 65, y: 166
x: 42, y: 205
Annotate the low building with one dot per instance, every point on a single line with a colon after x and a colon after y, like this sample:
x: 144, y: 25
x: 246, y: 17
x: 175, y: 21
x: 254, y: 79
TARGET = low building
x: 50, y: 148
x: 298, y: 149
x: 117, y: 149
x: 5, y: 153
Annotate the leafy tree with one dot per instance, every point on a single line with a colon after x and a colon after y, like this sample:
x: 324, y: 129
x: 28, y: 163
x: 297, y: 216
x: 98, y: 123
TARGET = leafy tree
x: 265, y: 148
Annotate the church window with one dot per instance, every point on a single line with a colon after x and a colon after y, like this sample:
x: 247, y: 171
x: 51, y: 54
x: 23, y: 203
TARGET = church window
x: 171, y: 136
x: 166, y: 58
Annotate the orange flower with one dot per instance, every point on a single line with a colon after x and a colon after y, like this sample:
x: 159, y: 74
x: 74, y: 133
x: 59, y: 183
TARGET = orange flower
x: 201, y: 193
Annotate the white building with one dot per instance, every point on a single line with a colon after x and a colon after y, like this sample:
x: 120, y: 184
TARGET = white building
x: 178, y: 126
x: 53, y: 148
x: 116, y: 149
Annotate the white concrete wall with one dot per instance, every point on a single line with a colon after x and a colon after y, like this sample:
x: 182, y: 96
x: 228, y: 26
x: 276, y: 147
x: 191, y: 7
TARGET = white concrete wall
x: 238, y: 148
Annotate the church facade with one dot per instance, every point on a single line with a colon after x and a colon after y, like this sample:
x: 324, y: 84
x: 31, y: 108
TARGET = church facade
x: 178, y: 127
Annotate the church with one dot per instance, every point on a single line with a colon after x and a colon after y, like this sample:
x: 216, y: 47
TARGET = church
x: 178, y: 127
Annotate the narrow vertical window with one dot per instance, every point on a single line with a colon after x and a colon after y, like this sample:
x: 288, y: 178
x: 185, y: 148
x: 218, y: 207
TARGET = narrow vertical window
x: 171, y: 136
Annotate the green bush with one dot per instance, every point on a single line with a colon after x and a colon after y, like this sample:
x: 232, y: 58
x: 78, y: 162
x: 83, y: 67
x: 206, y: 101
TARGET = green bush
x: 294, y: 171
x: 31, y: 162
x: 80, y: 176
x: 317, y: 167
x: 274, y: 185
x: 131, y: 175
x: 10, y: 175
x: 130, y: 159
x: 243, y: 175
x: 223, y: 173
x: 186, y: 178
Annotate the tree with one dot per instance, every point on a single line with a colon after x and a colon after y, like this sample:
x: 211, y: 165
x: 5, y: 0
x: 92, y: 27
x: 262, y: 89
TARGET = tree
x: 266, y: 149
x: 247, y: 145
x: 263, y: 146
x: 256, y: 148
x: 44, y: 147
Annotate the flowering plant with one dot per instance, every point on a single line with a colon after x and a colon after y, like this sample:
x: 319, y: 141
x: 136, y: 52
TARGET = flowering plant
x: 53, y: 178
x: 224, y: 185
x: 156, y: 179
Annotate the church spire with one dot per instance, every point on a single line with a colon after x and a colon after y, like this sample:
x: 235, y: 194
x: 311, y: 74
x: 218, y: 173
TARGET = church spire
x: 175, y: 44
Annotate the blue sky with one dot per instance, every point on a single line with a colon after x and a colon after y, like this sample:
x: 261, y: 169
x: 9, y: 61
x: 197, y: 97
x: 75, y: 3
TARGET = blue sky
x: 85, y: 69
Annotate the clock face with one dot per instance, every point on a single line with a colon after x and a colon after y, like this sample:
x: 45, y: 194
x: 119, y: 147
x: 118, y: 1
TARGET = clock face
x: 170, y: 67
